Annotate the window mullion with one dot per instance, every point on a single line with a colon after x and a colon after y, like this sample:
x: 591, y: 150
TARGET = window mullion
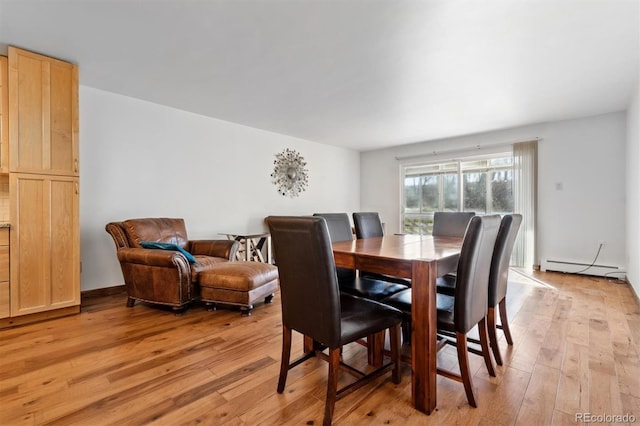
x: 421, y: 184
x: 489, y: 199
x: 460, y: 188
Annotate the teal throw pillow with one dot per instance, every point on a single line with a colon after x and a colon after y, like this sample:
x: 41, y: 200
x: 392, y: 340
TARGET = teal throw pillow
x: 168, y: 246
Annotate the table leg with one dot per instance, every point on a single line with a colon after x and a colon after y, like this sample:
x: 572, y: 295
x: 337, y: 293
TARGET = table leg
x: 239, y: 240
x: 259, y: 246
x: 423, y: 336
x: 257, y: 249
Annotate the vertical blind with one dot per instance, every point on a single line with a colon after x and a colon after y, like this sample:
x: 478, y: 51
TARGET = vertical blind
x: 525, y: 182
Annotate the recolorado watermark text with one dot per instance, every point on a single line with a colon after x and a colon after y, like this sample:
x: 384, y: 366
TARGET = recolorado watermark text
x: 605, y: 418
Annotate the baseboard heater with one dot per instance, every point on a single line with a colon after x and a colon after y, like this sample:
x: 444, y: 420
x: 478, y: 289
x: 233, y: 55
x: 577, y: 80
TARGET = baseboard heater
x: 582, y: 268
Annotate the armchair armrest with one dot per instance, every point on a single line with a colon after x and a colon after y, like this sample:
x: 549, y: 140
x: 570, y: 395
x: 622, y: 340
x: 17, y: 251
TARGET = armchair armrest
x: 226, y: 249
x: 157, y: 276
x: 117, y: 233
x: 150, y: 257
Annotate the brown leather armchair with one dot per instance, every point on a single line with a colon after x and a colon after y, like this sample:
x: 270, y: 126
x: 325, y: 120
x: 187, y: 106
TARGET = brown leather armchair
x: 164, y: 276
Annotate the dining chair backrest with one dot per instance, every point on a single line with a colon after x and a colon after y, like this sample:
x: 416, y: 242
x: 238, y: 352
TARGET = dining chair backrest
x: 451, y: 224
x: 368, y: 225
x: 472, y: 279
x: 308, y: 282
x: 499, y: 273
x: 339, y: 230
x: 339, y: 226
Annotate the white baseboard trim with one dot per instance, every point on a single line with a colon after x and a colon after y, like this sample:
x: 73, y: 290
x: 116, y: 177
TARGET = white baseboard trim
x: 609, y: 271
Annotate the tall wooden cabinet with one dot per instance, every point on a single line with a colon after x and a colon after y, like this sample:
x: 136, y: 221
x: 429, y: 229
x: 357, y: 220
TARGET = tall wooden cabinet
x: 43, y: 114
x: 43, y: 186
x: 45, y: 249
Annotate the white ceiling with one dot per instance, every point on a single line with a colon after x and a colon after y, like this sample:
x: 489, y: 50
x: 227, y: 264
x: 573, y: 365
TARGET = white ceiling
x: 361, y: 74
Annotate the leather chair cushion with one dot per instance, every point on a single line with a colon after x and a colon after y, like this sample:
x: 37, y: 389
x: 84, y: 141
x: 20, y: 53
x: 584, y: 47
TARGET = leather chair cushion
x: 446, y: 285
x: 371, y: 288
x: 235, y: 297
x: 241, y: 276
x: 164, y: 230
x: 205, y: 263
x: 444, y: 304
x: 362, y: 317
x: 168, y: 246
x: 400, y: 300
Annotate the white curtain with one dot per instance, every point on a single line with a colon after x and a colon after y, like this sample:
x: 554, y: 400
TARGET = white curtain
x: 525, y: 195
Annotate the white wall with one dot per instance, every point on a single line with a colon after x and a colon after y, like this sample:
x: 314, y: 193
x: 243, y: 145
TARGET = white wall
x: 633, y: 191
x: 586, y: 155
x: 140, y: 159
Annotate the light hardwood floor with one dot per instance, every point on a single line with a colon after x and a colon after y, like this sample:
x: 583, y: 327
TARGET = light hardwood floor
x: 577, y: 345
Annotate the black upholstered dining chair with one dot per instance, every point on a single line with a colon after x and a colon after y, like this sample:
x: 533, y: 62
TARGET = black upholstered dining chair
x: 340, y: 230
x: 459, y: 313
x: 365, y: 285
x: 313, y: 305
x: 498, y: 280
x: 369, y: 225
x: 450, y: 224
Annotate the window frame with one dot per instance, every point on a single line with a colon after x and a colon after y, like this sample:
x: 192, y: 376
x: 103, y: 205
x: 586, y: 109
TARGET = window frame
x: 441, y: 169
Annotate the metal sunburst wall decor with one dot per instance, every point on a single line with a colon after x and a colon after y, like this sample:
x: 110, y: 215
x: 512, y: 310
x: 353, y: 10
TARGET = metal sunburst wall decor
x: 290, y: 173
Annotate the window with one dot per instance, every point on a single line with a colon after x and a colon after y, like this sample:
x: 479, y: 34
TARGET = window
x: 484, y: 186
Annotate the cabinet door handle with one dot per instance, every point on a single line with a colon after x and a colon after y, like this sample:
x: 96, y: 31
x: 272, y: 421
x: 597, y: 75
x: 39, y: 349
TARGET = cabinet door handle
x: 77, y: 189
x: 75, y: 165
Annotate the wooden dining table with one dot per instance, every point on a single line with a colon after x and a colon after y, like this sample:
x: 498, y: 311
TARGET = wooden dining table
x: 416, y: 257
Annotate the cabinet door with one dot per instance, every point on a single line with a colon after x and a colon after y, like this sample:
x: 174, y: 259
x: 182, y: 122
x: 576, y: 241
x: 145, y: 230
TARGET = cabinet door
x: 43, y: 114
x: 4, y: 273
x: 45, y: 243
x: 4, y: 115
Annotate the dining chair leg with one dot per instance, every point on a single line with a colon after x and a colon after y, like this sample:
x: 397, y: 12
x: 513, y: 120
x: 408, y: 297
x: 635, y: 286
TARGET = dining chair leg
x: 395, y: 344
x: 285, y: 357
x: 493, y: 338
x: 505, y: 320
x: 332, y: 385
x: 465, y: 372
x: 484, y: 343
x: 370, y: 349
x: 406, y: 332
x: 375, y: 349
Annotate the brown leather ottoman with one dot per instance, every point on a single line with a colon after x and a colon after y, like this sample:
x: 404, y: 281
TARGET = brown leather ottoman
x: 239, y: 284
